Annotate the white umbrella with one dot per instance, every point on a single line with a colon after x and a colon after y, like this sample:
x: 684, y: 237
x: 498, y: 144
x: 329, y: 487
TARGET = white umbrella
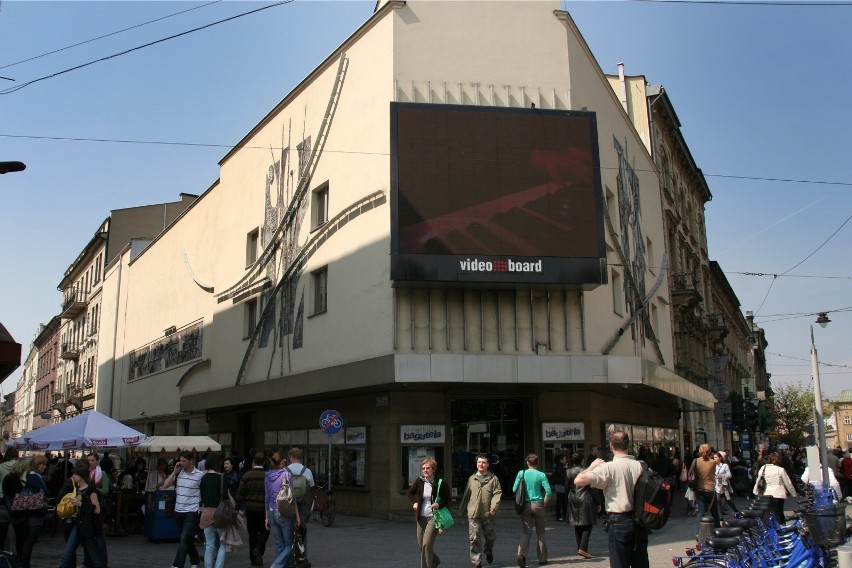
x: 90, y: 429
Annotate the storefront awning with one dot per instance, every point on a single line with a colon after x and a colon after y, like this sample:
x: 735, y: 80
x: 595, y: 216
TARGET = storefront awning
x: 10, y: 354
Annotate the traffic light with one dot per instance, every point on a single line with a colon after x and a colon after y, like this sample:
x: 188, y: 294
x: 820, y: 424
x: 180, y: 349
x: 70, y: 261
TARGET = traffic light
x: 752, y: 420
x: 737, y: 416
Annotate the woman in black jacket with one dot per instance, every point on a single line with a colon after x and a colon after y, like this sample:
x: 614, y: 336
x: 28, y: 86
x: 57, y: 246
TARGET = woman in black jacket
x: 584, y: 504
x: 427, y: 493
x: 558, y: 482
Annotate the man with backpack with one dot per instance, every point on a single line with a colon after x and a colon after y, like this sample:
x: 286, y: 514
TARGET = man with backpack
x: 279, y: 523
x: 628, y: 540
x: 303, y: 481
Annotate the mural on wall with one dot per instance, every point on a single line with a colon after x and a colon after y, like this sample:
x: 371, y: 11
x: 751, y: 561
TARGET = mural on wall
x: 281, y: 229
x: 283, y: 258
x: 632, y: 240
x: 175, y: 349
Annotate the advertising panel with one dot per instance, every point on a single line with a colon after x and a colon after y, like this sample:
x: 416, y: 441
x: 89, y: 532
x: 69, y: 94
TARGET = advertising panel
x: 495, y: 195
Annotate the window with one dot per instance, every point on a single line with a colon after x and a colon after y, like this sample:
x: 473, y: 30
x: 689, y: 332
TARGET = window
x: 319, y: 206
x: 849, y: 437
x: 251, y: 246
x: 320, y: 289
x: 652, y: 262
x: 611, y: 205
x: 655, y: 320
x: 250, y: 318
x: 847, y: 420
x: 348, y: 452
x: 617, y: 294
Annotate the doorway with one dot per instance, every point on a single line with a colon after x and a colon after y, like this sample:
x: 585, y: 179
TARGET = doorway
x: 494, y: 427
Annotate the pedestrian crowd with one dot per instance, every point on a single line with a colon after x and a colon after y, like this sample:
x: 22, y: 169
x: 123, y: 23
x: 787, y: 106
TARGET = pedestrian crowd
x: 212, y: 499
x: 586, y: 489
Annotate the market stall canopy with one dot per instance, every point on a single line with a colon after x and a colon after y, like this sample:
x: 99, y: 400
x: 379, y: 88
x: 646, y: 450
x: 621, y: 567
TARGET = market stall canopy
x: 178, y: 443
x: 90, y: 430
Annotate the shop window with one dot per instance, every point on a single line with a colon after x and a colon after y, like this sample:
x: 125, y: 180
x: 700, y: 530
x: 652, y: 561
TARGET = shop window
x: 348, y: 453
x: 419, y: 442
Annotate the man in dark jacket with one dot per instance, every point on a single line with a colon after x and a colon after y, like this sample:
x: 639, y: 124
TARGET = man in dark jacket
x: 250, y: 497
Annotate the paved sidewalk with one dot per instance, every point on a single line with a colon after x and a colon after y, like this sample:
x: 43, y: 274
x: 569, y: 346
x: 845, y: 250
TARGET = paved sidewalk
x: 361, y: 542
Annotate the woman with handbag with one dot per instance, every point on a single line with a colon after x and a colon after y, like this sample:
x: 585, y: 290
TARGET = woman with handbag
x: 213, y: 492
x: 773, y: 480
x: 428, y: 493
x: 13, y: 485
x: 37, y: 488
x: 721, y: 475
x: 583, y: 507
x: 537, y: 495
x: 87, y: 530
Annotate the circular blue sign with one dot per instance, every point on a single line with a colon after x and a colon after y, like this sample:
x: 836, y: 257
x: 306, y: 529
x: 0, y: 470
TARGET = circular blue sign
x: 331, y: 422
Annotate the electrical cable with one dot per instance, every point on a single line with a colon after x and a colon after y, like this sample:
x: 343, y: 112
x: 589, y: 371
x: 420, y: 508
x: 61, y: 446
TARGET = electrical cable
x: 213, y: 145
x: 34, y: 57
x: 820, y: 246
x: 137, y: 48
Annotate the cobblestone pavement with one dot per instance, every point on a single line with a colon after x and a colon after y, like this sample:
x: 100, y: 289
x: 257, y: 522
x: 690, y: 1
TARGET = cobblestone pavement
x: 362, y: 542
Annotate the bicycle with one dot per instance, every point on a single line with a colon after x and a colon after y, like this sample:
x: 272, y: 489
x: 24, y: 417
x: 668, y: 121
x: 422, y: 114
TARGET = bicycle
x: 322, y: 504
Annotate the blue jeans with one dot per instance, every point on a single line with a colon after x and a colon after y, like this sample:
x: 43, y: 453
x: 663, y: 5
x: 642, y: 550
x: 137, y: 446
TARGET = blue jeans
x: 282, y: 534
x: 211, y: 543
x: 628, y: 544
x: 90, y: 545
x: 187, y: 524
x: 705, y: 502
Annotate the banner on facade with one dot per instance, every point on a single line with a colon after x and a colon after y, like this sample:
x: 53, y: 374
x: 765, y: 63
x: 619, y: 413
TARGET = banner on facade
x: 420, y: 434
x: 563, y: 431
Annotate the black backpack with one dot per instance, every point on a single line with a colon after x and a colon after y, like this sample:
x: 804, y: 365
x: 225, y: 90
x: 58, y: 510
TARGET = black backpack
x: 652, y: 500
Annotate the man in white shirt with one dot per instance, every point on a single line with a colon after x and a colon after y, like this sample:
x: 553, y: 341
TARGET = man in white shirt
x: 628, y: 544
x: 187, y: 482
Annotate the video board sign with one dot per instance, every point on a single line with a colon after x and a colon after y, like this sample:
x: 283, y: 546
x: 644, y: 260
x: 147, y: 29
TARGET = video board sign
x: 495, y: 195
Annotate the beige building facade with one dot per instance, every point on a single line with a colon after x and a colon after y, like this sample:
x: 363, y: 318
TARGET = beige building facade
x: 80, y: 316
x: 290, y: 289
x: 715, y: 346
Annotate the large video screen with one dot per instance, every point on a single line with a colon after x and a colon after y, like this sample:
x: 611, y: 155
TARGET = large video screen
x: 484, y: 194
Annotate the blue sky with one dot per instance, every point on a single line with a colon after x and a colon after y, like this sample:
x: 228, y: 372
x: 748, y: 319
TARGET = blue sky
x: 761, y: 91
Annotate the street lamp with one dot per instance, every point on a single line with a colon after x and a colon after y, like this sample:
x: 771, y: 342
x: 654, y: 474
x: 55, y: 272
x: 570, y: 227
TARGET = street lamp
x: 823, y: 321
x: 6, y: 167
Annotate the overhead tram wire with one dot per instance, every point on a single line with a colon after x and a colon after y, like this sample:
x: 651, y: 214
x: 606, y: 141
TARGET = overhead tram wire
x: 34, y: 57
x: 266, y: 148
x: 149, y: 44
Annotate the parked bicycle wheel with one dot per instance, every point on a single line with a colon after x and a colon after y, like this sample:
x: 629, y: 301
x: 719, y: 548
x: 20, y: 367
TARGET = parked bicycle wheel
x: 327, y: 514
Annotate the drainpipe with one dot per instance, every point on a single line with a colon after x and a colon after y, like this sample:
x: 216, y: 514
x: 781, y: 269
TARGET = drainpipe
x: 115, y: 335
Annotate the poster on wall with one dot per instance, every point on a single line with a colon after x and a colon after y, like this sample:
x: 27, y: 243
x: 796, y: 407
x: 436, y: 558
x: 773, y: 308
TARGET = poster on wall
x: 415, y: 457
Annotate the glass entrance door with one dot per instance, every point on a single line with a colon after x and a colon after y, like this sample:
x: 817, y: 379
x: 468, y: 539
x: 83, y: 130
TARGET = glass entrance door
x: 489, y: 426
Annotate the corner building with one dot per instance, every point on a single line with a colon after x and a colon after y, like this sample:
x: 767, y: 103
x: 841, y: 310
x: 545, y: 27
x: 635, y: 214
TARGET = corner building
x: 426, y: 252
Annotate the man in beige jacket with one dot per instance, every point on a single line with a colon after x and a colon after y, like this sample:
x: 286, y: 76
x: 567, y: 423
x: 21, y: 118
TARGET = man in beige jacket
x: 480, y: 501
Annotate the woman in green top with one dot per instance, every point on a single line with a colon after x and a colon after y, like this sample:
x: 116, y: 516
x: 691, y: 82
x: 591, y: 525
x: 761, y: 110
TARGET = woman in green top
x: 537, y: 491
